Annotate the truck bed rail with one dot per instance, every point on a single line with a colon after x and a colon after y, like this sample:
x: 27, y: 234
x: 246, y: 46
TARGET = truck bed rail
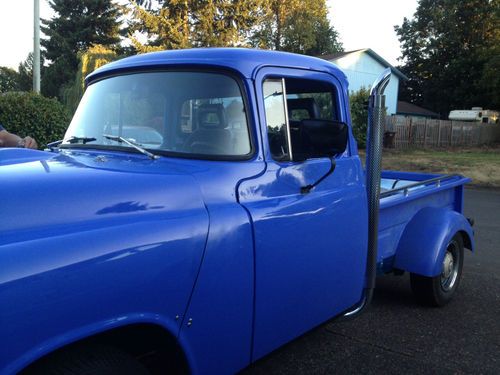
x: 406, y: 188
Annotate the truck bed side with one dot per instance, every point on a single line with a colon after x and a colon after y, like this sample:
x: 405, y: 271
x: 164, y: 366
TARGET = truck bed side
x: 401, y: 200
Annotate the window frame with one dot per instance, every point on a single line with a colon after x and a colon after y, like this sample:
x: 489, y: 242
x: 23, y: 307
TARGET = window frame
x: 274, y: 72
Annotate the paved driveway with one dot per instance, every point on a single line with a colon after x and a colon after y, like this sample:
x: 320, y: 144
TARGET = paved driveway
x: 397, y: 336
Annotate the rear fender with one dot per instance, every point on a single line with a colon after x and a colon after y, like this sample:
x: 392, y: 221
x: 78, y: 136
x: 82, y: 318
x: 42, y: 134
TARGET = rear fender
x: 423, y: 243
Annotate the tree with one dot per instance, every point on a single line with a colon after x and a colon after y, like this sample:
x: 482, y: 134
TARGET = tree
x: 165, y: 25
x: 219, y: 23
x: 77, y: 25
x: 25, y: 73
x: 296, y: 26
x: 93, y: 58
x: 9, y: 79
x: 192, y: 23
x: 450, y: 52
x: 22, y: 80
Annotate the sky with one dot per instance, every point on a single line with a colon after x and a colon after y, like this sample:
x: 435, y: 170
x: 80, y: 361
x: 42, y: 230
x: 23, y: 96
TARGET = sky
x: 360, y: 23
x: 370, y: 24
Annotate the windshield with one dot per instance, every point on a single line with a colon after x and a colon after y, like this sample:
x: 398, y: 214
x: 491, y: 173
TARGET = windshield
x: 181, y: 112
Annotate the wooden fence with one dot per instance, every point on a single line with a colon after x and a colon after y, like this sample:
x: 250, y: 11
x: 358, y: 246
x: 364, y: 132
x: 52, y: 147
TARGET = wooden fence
x: 420, y: 132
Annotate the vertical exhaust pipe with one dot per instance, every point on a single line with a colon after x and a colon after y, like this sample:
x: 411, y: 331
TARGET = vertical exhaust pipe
x: 376, y: 106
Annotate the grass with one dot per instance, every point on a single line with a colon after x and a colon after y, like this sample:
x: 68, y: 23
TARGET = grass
x: 482, y: 164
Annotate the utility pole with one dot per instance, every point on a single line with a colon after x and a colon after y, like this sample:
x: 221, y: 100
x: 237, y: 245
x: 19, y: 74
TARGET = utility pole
x: 36, y: 46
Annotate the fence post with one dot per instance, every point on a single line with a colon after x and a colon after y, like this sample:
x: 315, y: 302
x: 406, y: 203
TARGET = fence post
x: 451, y: 134
x: 425, y: 133
x: 409, y: 132
x: 439, y: 133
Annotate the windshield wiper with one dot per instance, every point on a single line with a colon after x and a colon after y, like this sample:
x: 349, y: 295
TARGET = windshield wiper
x: 117, y: 138
x: 52, y: 145
x: 75, y: 139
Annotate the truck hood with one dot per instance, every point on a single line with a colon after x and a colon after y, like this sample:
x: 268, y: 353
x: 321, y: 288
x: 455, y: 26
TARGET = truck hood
x: 41, y: 192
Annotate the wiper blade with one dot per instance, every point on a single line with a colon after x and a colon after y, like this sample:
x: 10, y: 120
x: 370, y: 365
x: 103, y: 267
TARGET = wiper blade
x: 117, y: 138
x: 75, y: 139
x: 52, y: 145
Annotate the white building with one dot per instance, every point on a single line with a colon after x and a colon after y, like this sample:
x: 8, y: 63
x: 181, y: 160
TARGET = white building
x: 362, y: 67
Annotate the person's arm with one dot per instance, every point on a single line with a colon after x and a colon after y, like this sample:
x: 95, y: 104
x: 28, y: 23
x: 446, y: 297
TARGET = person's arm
x: 11, y: 140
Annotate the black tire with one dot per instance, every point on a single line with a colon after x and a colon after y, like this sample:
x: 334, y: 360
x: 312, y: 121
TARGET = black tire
x: 439, y: 290
x: 89, y: 360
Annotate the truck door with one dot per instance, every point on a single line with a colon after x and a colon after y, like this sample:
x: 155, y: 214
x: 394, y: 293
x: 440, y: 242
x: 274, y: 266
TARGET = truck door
x: 310, y: 248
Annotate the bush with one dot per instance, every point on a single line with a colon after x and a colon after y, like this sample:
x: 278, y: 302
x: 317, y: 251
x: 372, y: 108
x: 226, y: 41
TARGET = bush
x: 359, y: 115
x: 27, y: 113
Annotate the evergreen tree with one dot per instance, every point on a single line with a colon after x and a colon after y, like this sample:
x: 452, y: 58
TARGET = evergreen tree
x: 25, y: 71
x: 9, y: 79
x: 219, y: 23
x: 192, y: 23
x: 299, y: 26
x: 451, y: 52
x: 76, y: 26
x: 22, y: 80
x: 295, y: 25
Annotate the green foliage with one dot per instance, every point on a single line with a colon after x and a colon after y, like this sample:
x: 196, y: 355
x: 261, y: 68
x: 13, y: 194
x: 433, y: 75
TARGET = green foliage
x: 78, y: 25
x: 25, y: 70
x: 359, y: 115
x: 295, y: 26
x: 451, y: 52
x: 9, y: 79
x: 191, y: 23
x: 90, y: 60
x: 22, y: 80
x: 27, y: 113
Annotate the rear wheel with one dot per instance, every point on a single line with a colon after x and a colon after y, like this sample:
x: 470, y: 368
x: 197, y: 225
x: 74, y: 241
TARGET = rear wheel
x: 84, y: 360
x: 439, y: 290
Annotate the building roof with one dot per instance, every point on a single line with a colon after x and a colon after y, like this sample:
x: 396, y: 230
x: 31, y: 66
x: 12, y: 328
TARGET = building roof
x: 369, y: 51
x: 405, y: 108
x: 244, y: 61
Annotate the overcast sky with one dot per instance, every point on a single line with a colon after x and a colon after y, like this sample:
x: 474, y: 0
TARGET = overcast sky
x: 360, y: 23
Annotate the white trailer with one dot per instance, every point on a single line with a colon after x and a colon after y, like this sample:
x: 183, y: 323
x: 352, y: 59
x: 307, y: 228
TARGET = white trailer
x: 476, y: 114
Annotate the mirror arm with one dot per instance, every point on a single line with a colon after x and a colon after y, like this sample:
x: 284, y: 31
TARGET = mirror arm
x: 307, y: 189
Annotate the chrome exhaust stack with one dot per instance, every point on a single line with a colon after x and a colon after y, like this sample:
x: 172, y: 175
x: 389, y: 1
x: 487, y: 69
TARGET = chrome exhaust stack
x: 376, y: 106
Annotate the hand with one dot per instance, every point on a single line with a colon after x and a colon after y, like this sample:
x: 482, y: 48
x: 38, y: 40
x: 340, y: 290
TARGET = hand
x: 30, y: 143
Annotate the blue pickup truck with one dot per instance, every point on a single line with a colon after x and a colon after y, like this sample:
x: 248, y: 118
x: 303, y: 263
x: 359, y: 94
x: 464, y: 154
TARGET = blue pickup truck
x: 205, y: 207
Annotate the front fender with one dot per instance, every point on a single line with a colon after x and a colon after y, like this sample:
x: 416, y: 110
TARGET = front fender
x: 423, y: 243
x: 80, y: 333
x: 51, y: 287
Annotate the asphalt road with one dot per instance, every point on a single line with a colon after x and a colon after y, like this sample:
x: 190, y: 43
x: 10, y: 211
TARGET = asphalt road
x: 396, y: 335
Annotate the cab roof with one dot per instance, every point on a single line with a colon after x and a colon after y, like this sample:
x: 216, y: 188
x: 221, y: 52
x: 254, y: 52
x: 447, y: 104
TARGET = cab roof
x: 245, y: 61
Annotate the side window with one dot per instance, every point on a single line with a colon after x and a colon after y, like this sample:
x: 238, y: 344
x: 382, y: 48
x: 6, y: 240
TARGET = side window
x: 276, y: 119
x: 302, y: 119
x: 308, y: 99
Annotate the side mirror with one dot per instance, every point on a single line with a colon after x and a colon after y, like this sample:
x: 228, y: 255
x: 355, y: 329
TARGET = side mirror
x: 322, y: 138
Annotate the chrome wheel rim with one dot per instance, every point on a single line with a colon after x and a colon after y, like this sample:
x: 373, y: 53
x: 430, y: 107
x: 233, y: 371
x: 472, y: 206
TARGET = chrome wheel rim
x: 449, y: 274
